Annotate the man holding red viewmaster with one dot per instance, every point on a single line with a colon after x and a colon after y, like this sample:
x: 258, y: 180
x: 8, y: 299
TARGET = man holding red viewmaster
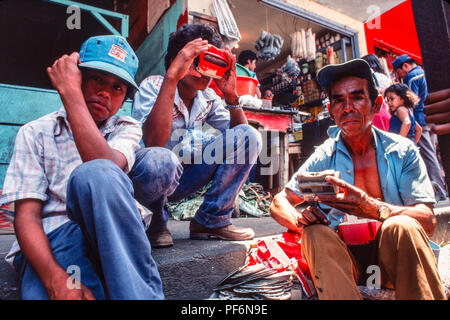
x: 192, y: 137
x: 382, y: 177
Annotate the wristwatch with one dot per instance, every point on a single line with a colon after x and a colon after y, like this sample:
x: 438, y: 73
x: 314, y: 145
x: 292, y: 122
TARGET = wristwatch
x: 383, y: 213
x: 233, y: 107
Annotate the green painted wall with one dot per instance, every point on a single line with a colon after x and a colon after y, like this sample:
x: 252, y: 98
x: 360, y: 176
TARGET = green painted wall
x: 152, y: 51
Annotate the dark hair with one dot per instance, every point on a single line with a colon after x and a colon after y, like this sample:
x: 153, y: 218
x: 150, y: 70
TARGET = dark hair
x: 409, y: 61
x: 373, y: 91
x: 246, y: 55
x: 402, y: 90
x: 374, y: 63
x: 131, y: 91
x: 187, y: 33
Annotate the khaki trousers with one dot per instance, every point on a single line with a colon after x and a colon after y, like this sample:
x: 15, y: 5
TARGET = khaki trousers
x: 406, y: 261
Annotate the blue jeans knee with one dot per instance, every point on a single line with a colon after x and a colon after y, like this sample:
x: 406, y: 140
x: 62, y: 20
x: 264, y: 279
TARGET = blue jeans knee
x: 155, y: 174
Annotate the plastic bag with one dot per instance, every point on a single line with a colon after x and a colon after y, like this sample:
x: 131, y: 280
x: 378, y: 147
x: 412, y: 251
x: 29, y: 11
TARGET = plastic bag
x: 291, y: 67
x: 225, y: 19
x: 297, y: 46
x: 268, y: 46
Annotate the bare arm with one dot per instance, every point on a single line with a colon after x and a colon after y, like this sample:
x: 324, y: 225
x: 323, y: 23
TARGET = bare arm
x: 357, y: 202
x: 403, y: 115
x: 417, y: 132
x: 36, y: 249
x: 237, y: 117
x: 228, y: 87
x: 157, y: 127
x: 258, y: 93
x: 66, y: 78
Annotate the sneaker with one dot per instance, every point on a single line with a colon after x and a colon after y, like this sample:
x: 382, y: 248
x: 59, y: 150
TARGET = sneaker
x: 230, y: 232
x: 6, y: 223
x: 161, y: 239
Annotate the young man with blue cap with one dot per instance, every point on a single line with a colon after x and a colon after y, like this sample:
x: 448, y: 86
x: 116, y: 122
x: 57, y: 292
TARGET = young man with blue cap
x: 80, y: 232
x: 413, y: 76
x: 381, y: 178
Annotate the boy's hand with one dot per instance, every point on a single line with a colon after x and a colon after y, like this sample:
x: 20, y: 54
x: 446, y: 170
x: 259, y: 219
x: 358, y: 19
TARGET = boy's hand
x: 182, y: 63
x: 58, y: 289
x: 65, y: 74
x: 227, y: 84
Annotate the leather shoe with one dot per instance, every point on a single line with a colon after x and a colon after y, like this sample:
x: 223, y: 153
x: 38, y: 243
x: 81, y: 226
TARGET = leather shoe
x: 230, y: 232
x: 161, y: 239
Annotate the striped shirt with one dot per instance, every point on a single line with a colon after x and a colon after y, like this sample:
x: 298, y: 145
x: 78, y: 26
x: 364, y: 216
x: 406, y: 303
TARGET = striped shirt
x: 45, y: 155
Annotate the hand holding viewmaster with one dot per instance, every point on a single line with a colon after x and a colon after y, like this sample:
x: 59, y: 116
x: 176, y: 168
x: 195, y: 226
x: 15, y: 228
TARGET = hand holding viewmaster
x: 311, y: 184
x: 213, y: 62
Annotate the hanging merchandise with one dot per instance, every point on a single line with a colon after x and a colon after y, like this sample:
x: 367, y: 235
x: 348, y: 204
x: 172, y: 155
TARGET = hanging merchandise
x: 268, y: 46
x: 291, y: 67
x: 296, y: 46
x: 225, y: 19
x: 310, y: 45
x: 303, y: 42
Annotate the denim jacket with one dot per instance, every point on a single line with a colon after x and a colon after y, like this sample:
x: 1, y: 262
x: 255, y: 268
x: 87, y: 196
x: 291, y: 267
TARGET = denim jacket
x: 416, y: 81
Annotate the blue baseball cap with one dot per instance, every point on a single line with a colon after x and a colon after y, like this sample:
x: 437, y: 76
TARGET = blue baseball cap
x: 111, y: 54
x: 397, y: 63
x: 356, y: 67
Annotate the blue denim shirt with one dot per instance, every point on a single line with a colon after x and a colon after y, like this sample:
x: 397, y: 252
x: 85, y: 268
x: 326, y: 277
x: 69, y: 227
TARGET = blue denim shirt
x: 403, y: 176
x: 415, y: 80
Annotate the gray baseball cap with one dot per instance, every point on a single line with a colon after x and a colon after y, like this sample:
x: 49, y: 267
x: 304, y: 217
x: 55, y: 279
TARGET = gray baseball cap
x: 356, y: 67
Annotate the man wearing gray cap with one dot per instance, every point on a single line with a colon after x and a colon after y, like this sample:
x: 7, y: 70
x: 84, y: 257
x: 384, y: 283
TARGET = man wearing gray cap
x: 382, y: 177
x: 80, y: 233
x: 413, y: 76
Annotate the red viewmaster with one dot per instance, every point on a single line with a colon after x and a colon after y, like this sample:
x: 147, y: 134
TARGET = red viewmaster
x: 213, y: 63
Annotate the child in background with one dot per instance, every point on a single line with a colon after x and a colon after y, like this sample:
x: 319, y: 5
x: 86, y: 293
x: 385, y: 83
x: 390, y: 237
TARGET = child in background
x: 401, y: 101
x: 382, y: 81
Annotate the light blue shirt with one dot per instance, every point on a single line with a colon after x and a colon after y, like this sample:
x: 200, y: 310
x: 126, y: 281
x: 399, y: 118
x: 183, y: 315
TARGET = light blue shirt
x: 403, y: 176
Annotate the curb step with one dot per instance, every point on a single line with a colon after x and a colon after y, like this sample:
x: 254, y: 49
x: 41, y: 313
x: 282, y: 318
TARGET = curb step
x: 192, y: 268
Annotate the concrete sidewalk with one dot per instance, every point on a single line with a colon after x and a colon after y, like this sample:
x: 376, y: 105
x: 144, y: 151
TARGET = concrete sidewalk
x: 191, y: 268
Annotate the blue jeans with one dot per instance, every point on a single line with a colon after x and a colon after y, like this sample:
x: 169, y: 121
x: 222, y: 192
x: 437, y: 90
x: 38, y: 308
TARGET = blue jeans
x: 427, y: 150
x: 158, y: 177
x: 105, y: 239
x: 69, y: 248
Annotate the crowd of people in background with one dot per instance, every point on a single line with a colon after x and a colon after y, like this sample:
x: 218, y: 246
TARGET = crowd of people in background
x: 402, y: 111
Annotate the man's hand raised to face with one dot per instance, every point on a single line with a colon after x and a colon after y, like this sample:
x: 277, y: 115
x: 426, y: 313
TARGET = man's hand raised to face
x: 65, y: 74
x: 181, y: 65
x: 227, y: 84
